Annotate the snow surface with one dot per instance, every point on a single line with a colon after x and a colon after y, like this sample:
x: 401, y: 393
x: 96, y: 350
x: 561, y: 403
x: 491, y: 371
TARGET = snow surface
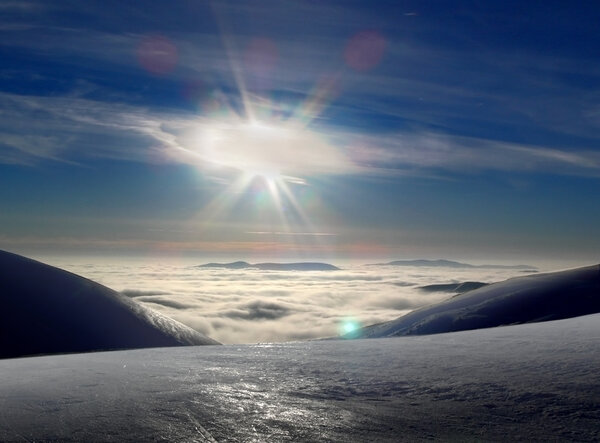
x: 534, y: 382
x: 47, y: 310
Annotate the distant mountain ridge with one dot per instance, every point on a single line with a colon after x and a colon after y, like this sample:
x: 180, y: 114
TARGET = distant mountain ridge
x: 441, y: 263
x: 301, y: 266
x: 527, y: 299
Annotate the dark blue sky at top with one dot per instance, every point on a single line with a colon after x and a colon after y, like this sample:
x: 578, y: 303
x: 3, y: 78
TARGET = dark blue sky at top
x: 480, y: 123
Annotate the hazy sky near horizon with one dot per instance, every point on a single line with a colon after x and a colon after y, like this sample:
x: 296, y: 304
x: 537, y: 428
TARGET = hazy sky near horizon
x: 301, y: 129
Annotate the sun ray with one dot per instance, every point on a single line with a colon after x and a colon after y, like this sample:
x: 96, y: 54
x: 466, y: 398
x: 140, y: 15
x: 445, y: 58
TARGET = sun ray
x: 234, y: 62
x: 273, y: 186
x: 260, y: 141
x: 314, y: 105
x: 306, y: 224
x: 222, y: 203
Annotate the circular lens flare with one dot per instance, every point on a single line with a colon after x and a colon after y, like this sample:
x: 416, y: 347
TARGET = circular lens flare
x: 349, y: 328
x: 157, y: 54
x: 365, y: 50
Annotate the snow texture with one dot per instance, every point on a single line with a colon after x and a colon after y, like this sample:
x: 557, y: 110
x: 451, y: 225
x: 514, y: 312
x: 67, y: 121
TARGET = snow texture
x: 533, y: 298
x: 45, y: 310
x: 534, y: 382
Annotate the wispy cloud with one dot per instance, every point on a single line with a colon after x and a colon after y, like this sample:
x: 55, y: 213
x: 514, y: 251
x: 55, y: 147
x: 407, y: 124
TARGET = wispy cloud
x: 68, y: 128
x: 433, y: 92
x: 398, y: 153
x: 73, y: 129
x: 21, y: 6
x: 83, y: 128
x: 308, y: 234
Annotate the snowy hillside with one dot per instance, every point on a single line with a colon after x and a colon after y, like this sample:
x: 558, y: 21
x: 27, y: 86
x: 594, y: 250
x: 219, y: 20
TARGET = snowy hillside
x: 535, y: 382
x: 47, y: 310
x: 532, y: 298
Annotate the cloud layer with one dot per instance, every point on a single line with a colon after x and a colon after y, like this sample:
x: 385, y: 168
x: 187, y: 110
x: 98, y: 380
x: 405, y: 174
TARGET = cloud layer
x: 249, y: 306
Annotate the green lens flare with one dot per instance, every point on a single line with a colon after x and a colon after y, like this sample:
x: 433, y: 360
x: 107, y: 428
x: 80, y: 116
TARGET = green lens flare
x: 348, y: 327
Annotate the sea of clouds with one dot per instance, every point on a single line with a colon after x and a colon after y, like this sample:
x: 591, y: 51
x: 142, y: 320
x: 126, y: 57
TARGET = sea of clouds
x: 251, y: 306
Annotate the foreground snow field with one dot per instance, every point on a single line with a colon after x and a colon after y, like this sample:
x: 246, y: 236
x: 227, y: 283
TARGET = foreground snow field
x: 528, y: 382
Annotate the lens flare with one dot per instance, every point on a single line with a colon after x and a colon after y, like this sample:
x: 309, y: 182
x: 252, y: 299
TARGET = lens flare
x: 365, y: 50
x: 157, y: 54
x: 349, y: 328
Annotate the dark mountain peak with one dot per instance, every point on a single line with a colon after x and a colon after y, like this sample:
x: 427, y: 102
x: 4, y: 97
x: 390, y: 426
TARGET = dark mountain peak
x: 46, y: 310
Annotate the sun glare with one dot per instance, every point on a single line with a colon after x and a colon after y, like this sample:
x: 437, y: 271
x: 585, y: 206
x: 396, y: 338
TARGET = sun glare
x: 272, y: 154
x: 257, y: 142
x: 273, y: 149
x: 277, y: 152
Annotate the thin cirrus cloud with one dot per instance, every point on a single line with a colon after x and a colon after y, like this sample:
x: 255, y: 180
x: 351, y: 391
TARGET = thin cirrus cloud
x: 80, y: 128
x: 125, y: 132
x: 397, y: 152
x: 141, y: 135
x: 416, y: 82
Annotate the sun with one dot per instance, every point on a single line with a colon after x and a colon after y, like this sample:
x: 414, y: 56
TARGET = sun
x: 262, y: 144
x: 242, y: 135
x: 270, y: 149
x: 259, y: 149
x: 280, y: 152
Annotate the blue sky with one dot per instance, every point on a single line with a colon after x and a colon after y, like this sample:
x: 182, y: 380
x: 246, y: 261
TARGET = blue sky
x: 301, y: 129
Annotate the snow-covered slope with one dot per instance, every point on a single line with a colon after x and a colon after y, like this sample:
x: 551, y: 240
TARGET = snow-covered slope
x: 533, y: 298
x: 46, y: 310
x: 534, y: 382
